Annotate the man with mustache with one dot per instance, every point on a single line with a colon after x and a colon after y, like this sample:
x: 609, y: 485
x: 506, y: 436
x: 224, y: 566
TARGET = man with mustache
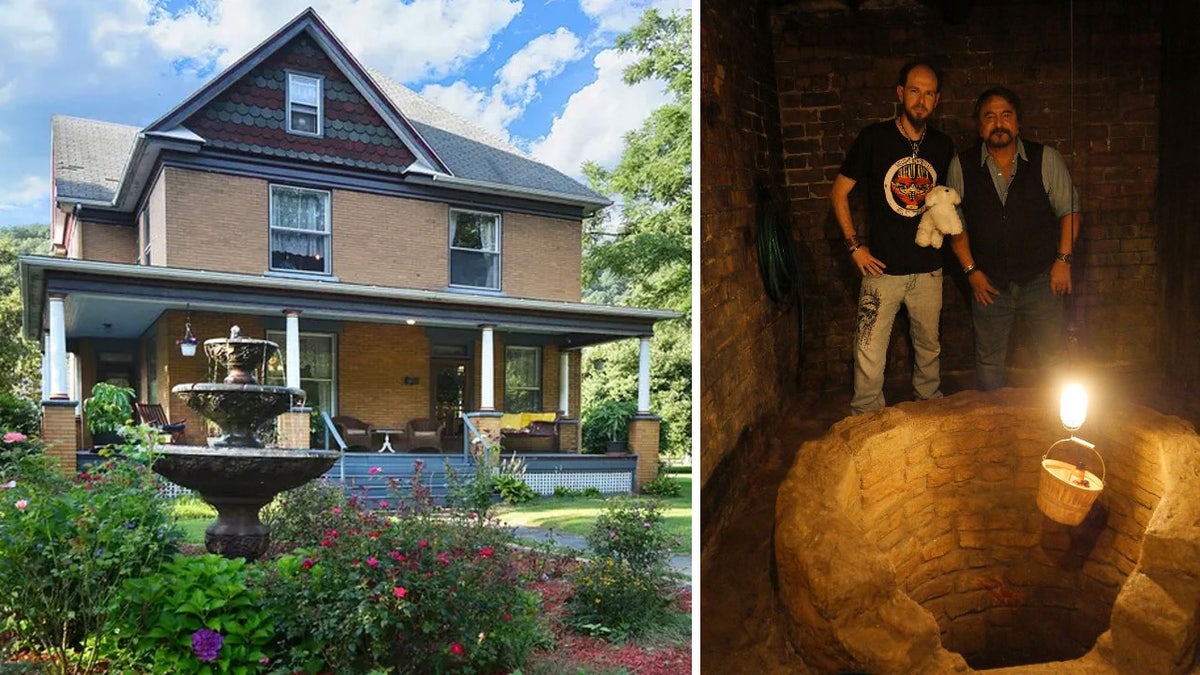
x: 899, y: 161
x: 1021, y: 214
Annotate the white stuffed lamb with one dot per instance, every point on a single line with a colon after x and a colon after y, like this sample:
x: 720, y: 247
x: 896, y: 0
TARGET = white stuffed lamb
x: 940, y: 217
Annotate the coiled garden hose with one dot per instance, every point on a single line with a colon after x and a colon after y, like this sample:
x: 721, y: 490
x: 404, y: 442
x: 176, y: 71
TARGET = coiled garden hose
x: 778, y: 263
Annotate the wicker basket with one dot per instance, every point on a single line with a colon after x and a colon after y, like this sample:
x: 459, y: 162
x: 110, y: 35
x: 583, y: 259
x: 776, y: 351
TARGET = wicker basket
x: 1062, y: 501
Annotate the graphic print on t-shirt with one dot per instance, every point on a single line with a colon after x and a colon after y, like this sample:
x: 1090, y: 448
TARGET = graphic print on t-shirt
x: 906, y: 183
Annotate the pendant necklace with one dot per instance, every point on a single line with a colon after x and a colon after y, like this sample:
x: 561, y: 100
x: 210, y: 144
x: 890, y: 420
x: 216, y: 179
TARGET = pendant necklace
x: 916, y: 145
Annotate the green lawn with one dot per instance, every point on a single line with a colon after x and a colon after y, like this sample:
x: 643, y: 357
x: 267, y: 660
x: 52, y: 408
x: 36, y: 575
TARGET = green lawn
x: 572, y: 515
x: 575, y: 515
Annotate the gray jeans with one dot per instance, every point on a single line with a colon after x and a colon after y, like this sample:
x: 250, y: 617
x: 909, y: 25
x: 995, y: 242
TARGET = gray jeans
x: 878, y: 303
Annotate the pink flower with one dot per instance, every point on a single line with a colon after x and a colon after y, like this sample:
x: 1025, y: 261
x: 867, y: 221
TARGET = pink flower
x: 383, y: 503
x: 264, y: 660
x: 326, y: 543
x: 373, y: 470
x: 423, y: 544
x: 486, y: 552
x: 400, y: 591
x: 14, y: 437
x: 372, y: 562
x: 336, y: 511
x: 507, y: 616
x: 456, y: 649
x: 9, y: 485
x: 308, y: 563
x: 22, y: 504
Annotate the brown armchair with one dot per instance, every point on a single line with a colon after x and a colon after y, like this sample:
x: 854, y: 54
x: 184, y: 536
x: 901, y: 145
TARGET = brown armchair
x: 425, y: 432
x: 355, y: 432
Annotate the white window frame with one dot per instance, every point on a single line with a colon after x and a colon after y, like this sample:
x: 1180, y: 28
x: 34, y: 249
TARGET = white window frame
x: 498, y: 252
x: 146, y: 236
x: 279, y: 337
x: 537, y: 351
x: 272, y: 227
x: 318, y: 109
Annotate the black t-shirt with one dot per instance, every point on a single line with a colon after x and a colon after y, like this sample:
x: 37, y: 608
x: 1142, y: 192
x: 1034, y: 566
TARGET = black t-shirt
x: 881, y: 162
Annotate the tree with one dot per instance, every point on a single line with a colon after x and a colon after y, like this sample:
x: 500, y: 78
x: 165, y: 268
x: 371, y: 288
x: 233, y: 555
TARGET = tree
x: 639, y: 252
x: 20, y: 359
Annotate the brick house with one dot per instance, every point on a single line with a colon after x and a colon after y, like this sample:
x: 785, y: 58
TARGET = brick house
x: 421, y: 268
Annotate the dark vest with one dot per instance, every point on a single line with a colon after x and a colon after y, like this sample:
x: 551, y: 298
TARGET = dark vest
x: 1017, y: 240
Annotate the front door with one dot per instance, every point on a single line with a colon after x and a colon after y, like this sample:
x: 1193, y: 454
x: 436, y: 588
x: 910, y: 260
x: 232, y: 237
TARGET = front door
x: 451, y: 393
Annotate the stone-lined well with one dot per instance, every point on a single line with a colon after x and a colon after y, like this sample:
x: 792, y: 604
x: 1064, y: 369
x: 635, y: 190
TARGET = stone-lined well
x: 909, y: 541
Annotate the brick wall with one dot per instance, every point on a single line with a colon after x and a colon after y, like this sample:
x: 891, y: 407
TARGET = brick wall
x: 377, y: 240
x: 107, y: 243
x: 831, y: 71
x: 748, y: 346
x: 837, y: 73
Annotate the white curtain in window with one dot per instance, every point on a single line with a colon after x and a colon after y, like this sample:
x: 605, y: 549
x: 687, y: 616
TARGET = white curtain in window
x: 299, y: 210
x: 298, y: 243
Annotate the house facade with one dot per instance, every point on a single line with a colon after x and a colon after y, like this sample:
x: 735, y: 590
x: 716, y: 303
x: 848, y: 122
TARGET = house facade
x: 409, y: 265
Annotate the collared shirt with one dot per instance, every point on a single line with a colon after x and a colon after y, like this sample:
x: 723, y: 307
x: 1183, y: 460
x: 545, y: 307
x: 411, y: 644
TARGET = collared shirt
x: 1056, y: 178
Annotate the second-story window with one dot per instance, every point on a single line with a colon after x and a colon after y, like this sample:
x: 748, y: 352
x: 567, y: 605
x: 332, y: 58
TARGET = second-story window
x: 475, y: 249
x: 299, y: 229
x: 303, y: 104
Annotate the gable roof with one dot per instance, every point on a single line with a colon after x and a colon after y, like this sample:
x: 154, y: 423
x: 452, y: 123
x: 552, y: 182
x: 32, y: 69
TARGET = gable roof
x: 106, y: 164
x: 89, y: 157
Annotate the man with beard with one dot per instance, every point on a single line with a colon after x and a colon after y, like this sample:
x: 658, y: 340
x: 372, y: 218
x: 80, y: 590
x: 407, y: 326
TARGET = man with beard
x: 899, y: 161
x: 1021, y: 214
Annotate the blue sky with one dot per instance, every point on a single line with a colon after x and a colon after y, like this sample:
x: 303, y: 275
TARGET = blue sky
x: 542, y: 74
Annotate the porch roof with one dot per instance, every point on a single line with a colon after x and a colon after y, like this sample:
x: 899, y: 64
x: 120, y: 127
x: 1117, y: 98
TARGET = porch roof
x: 119, y: 300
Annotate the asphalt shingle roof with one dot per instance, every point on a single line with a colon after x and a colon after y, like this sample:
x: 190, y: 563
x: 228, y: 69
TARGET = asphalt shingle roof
x: 89, y: 156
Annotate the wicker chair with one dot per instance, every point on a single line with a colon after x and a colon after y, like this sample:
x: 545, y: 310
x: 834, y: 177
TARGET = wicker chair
x: 355, y: 432
x: 425, y: 432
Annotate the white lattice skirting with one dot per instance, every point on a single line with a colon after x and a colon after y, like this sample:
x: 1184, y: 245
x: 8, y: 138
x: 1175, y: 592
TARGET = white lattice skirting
x: 608, y: 482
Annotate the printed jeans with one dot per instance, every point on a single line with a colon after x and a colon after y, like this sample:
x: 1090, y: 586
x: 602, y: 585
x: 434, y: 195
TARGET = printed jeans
x: 1042, y: 312
x: 878, y: 303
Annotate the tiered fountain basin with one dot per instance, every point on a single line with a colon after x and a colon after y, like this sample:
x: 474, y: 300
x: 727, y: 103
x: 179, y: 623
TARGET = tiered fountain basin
x: 909, y: 541
x: 234, y: 473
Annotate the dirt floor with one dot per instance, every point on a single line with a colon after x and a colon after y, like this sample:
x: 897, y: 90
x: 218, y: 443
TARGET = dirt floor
x: 742, y: 622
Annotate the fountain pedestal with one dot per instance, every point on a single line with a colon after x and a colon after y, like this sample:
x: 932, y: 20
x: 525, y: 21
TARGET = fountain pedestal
x: 235, y: 474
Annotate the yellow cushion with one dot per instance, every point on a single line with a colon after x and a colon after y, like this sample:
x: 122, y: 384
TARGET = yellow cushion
x: 512, y: 421
x: 541, y: 417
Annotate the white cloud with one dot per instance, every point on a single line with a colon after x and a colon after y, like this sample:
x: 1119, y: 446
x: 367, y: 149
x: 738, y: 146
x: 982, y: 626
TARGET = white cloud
x: 593, y: 124
x: 28, y: 28
x: 8, y: 91
x: 408, y: 41
x: 486, y: 109
x: 620, y: 15
x: 543, y: 58
x: 26, y: 192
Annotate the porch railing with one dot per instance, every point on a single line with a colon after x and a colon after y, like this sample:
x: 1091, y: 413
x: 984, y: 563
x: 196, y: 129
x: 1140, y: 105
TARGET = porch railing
x: 472, y: 435
x: 331, y: 430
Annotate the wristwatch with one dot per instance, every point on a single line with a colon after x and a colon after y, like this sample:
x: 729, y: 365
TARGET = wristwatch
x: 1065, y: 257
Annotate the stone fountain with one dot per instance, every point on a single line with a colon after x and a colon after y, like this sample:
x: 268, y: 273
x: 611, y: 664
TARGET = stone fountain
x: 234, y: 472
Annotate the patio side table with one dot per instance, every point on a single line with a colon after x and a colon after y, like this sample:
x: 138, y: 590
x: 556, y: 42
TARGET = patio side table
x: 387, y: 438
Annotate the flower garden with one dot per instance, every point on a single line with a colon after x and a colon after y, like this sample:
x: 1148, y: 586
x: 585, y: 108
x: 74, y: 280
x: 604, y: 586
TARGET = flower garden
x: 95, y: 577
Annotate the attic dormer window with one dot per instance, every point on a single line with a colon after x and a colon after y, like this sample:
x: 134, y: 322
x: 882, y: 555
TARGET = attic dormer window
x: 304, y: 104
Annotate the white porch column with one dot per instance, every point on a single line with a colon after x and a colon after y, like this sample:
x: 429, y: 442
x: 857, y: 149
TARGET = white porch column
x: 564, y: 383
x: 46, y: 366
x: 487, y: 376
x: 643, y: 405
x: 58, y: 350
x: 293, y: 348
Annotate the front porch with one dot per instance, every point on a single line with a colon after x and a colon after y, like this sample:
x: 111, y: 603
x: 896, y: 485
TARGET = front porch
x: 389, y: 358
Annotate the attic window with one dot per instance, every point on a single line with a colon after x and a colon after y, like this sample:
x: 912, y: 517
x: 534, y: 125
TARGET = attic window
x: 304, y: 104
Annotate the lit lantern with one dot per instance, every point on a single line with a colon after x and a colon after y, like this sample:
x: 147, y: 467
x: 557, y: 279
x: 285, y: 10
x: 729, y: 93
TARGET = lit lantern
x: 1073, y: 408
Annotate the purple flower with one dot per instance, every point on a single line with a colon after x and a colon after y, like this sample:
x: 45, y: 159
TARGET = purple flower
x: 206, y: 643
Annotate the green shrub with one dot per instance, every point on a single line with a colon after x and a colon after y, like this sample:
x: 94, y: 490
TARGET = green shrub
x: 615, y: 600
x: 166, y: 617
x: 19, y: 414
x: 514, y: 490
x: 65, y: 549
x: 299, y: 516
x: 631, y: 531
x: 574, y: 493
x: 413, y: 595
x: 663, y: 486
